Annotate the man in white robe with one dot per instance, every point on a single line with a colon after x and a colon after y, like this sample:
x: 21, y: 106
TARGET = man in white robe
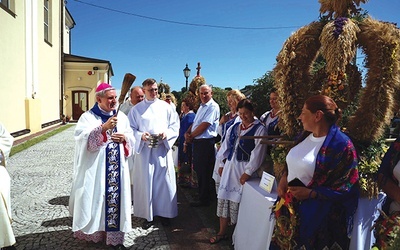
x: 136, y: 95
x: 100, y: 200
x: 154, y: 188
x: 7, y: 238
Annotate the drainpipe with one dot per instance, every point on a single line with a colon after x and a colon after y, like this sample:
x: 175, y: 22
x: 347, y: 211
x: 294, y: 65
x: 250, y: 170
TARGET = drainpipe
x: 62, y: 25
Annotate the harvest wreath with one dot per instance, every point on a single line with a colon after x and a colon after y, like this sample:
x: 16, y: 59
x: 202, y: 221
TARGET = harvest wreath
x: 341, y: 30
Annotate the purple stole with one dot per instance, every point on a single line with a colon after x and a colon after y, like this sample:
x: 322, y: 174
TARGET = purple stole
x: 113, y: 187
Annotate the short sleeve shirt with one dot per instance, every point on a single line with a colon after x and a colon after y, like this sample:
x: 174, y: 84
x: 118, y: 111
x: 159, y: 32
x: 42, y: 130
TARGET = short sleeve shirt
x: 208, y: 112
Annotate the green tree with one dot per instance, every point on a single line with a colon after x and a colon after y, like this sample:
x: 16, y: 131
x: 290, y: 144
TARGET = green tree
x: 219, y: 96
x: 259, y: 93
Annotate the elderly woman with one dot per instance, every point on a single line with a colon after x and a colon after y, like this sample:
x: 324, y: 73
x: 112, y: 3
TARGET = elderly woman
x: 233, y: 98
x: 318, y: 193
x: 242, y: 158
x: 388, y: 180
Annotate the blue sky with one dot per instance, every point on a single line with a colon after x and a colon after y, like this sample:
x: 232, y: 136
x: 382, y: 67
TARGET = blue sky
x: 145, y: 37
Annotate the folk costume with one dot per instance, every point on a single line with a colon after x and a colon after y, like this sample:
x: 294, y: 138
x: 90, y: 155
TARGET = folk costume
x: 222, y: 131
x: 271, y: 122
x: 327, y: 219
x: 154, y: 188
x: 100, y: 200
x: 223, y: 128
x: 242, y: 156
x: 7, y: 237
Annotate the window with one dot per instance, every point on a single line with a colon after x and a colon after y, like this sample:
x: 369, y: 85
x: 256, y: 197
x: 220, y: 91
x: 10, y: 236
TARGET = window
x: 9, y: 6
x: 47, y: 21
x: 6, y: 3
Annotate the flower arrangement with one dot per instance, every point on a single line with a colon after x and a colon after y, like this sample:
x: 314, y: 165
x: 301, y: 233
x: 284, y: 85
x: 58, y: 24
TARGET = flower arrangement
x: 387, y: 229
x: 335, y: 86
x: 278, y: 156
x: 370, y: 160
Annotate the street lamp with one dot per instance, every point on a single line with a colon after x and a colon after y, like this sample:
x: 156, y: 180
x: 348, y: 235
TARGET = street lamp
x: 186, y: 73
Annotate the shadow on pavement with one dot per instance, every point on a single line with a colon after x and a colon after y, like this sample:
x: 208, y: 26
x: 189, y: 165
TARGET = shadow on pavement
x: 194, y: 225
x: 63, y: 200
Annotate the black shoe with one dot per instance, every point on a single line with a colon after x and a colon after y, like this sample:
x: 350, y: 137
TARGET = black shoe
x: 199, y: 204
x: 165, y: 221
x: 147, y: 224
x: 120, y: 247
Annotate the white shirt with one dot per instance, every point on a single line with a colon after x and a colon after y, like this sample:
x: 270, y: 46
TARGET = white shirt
x: 208, y: 112
x: 301, y: 159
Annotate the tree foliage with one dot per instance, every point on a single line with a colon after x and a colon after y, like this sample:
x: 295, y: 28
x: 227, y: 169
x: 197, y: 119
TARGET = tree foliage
x: 219, y: 96
x: 259, y: 93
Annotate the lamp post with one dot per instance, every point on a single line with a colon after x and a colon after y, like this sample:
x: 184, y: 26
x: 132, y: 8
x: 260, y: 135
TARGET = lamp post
x: 186, y: 73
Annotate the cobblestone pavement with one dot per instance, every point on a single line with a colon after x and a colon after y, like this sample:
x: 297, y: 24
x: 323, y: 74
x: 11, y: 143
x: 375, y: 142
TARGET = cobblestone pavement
x: 41, y: 182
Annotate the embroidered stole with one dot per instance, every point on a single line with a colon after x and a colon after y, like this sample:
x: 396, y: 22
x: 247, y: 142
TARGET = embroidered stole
x: 113, y: 187
x: 112, y: 177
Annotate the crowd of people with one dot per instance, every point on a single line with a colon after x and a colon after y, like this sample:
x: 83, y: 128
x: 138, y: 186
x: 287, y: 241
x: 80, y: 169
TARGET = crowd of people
x: 123, y: 160
x: 123, y: 164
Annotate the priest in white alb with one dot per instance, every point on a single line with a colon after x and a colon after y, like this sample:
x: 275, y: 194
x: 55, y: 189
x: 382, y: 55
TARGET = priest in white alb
x: 154, y: 189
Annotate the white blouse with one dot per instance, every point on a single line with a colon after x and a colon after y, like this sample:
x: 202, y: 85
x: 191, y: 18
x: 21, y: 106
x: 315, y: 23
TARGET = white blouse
x: 301, y: 159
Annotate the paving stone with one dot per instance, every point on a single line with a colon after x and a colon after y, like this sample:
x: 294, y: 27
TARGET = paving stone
x: 41, y: 182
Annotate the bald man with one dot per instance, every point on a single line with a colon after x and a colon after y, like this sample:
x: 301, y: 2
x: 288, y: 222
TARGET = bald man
x: 135, y: 97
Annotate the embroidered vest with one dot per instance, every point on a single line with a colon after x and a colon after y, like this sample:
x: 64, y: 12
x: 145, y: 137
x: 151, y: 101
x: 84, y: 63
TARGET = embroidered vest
x: 272, y: 127
x: 226, y: 126
x: 244, y: 147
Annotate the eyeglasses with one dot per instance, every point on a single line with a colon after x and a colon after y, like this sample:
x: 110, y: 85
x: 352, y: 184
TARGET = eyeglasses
x: 152, y: 90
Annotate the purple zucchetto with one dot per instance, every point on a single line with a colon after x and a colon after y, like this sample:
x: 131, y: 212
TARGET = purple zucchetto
x: 103, y: 86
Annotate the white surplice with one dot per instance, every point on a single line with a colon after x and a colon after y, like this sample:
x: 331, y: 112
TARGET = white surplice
x: 154, y: 188
x: 230, y: 187
x: 7, y: 237
x: 87, y: 199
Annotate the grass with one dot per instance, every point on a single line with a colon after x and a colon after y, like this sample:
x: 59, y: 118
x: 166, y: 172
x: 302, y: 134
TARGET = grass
x: 33, y: 141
